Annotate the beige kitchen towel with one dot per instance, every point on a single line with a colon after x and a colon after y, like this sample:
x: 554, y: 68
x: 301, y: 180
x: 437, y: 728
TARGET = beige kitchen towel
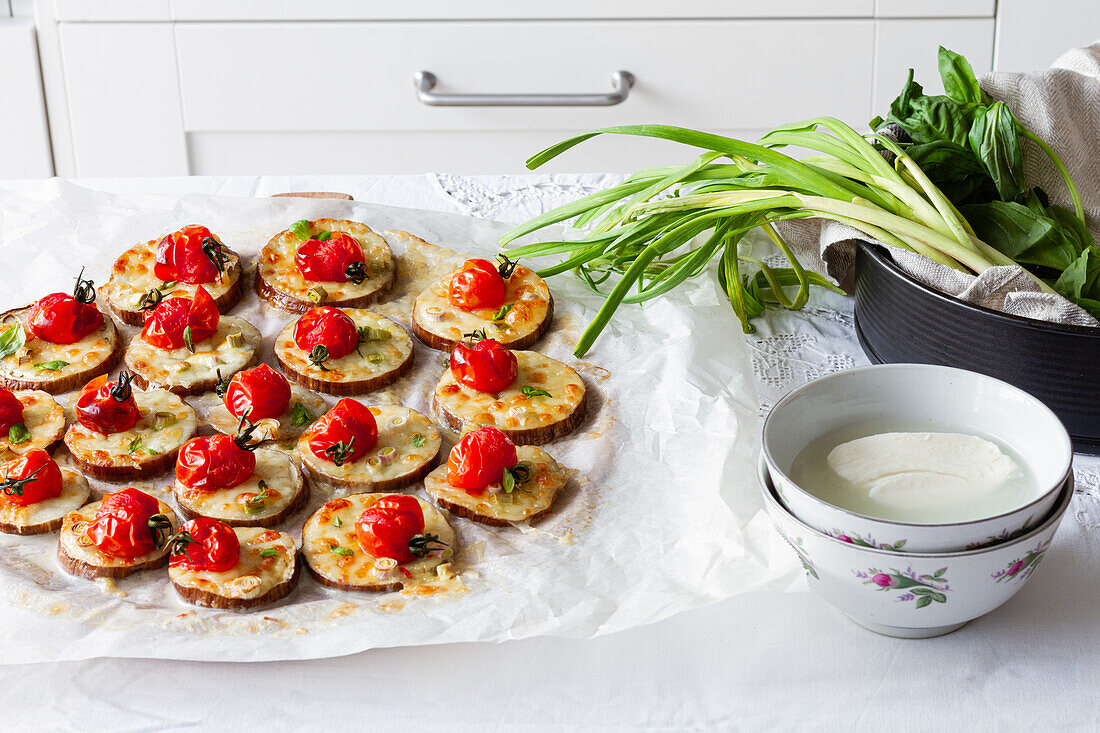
x: 1062, y: 106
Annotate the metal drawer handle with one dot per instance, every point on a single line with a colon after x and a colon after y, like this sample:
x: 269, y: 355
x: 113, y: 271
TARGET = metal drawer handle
x: 622, y: 81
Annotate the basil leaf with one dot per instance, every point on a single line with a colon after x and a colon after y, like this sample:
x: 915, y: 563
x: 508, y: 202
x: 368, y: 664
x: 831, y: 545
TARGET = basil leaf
x: 337, y: 522
x: 300, y: 229
x: 269, y: 552
x: 18, y: 433
x: 418, y: 440
x: 958, y: 78
x: 994, y: 139
x: 187, y: 341
x: 529, y: 391
x: 299, y: 415
x: 1025, y: 236
x: 1080, y: 282
x: 53, y: 366
x: 135, y: 444
x: 12, y: 340
x: 345, y: 551
x: 323, y: 236
x: 507, y: 481
x: 927, y: 119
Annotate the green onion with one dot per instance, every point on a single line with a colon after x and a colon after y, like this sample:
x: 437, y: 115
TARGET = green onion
x: 663, y: 226
x: 418, y: 440
x: 269, y: 552
x: 345, y: 551
x: 500, y: 314
x: 529, y: 391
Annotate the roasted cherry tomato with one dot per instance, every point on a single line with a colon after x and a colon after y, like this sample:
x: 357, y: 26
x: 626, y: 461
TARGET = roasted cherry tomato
x: 11, y: 410
x: 205, y: 544
x: 129, y: 524
x: 257, y: 393
x: 479, y: 459
x: 338, y: 259
x: 214, y: 462
x: 344, y: 434
x: 390, y: 526
x: 61, y: 318
x: 327, y: 327
x: 165, y: 325
x: 107, y: 407
x: 31, y: 478
x: 486, y: 366
x: 192, y: 255
x: 477, y: 285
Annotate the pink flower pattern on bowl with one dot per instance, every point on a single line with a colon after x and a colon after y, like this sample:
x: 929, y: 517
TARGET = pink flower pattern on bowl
x: 865, y: 541
x: 1023, y: 567
x: 924, y: 589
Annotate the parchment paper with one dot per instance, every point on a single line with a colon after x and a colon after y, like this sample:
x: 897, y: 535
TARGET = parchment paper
x: 661, y: 516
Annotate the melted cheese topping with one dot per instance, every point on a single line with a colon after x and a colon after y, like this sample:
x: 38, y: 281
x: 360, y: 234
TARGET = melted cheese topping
x: 181, y: 368
x: 83, y: 355
x: 43, y: 418
x: 253, y: 575
x: 74, y: 492
x: 281, y: 428
x: 115, y: 449
x: 397, y: 429
x: 532, y: 497
x: 79, y: 546
x: 377, y: 357
x: 527, y: 294
x: 321, y: 533
x: 276, y: 263
x: 132, y: 277
x: 281, y: 477
x: 511, y: 409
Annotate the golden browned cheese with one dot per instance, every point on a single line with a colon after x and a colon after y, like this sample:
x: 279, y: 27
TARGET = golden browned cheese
x: 132, y: 277
x: 330, y: 546
x: 255, y: 574
x: 43, y: 418
x: 277, y: 269
x: 79, y: 356
x: 74, y: 492
x: 77, y: 544
x: 531, y: 498
x: 526, y: 306
x: 249, y: 501
x: 398, y: 452
x: 372, y: 359
x: 511, y: 409
x: 149, y: 437
x: 181, y: 367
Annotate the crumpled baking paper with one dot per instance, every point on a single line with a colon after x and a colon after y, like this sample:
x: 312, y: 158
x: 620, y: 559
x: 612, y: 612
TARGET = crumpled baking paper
x: 663, y: 513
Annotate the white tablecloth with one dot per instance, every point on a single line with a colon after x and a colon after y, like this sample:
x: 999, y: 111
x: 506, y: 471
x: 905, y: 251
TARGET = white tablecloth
x: 758, y: 661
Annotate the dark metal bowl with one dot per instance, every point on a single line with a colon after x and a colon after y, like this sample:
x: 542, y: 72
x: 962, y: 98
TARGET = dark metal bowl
x: 900, y: 320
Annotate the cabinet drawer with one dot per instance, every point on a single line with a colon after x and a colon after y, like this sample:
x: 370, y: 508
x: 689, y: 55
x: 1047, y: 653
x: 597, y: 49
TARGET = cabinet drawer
x: 328, y: 77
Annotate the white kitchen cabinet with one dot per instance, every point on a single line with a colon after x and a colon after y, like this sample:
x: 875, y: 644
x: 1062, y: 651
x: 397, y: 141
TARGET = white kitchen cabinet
x: 170, y: 87
x: 24, y: 132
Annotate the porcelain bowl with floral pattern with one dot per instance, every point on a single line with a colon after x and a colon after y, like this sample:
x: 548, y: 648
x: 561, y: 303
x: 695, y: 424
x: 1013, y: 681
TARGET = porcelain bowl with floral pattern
x: 913, y: 595
x: 908, y: 397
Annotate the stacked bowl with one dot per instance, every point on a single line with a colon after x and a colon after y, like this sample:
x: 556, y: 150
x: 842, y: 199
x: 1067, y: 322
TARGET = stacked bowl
x: 911, y: 578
